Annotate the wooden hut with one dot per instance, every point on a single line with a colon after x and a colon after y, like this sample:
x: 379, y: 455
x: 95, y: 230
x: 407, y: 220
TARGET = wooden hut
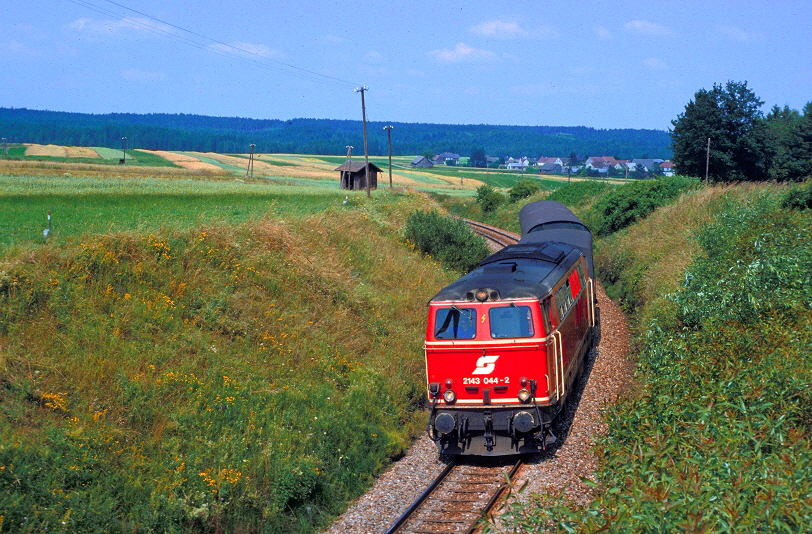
x: 353, y: 176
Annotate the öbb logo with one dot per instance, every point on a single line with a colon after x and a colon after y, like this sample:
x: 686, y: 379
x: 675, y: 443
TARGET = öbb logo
x: 485, y: 365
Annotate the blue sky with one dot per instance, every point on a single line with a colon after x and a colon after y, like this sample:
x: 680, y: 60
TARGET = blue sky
x: 632, y: 64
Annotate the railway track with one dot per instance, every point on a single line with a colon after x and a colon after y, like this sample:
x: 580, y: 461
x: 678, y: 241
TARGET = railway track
x: 496, y: 237
x: 456, y: 500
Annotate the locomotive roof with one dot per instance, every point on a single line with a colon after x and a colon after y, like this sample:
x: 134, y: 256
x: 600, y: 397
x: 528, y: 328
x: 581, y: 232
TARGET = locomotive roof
x: 546, y: 211
x: 546, y: 220
x: 516, y: 272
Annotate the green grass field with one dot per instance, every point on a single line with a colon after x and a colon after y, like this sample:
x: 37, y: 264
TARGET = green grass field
x: 90, y: 205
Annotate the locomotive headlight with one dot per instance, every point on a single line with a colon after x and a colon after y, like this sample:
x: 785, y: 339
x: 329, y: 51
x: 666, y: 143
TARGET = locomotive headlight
x: 524, y: 396
x: 449, y: 396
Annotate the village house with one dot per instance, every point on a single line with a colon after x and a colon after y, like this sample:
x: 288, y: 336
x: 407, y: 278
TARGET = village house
x: 446, y: 158
x: 422, y: 162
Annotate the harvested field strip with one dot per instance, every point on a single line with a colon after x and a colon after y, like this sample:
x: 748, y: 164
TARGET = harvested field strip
x: 58, y: 151
x: 186, y: 161
x: 52, y: 151
x: 225, y: 166
x: 308, y: 171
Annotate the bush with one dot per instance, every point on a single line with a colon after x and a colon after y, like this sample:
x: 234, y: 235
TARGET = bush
x: 447, y: 239
x: 627, y: 203
x: 577, y: 194
x: 523, y: 189
x: 799, y: 198
x: 488, y: 198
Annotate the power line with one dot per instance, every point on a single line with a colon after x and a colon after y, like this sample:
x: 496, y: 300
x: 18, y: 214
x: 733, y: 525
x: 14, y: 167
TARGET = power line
x: 297, y: 72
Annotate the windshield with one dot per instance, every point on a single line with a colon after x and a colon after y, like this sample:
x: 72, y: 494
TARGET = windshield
x: 455, y: 323
x: 511, y: 322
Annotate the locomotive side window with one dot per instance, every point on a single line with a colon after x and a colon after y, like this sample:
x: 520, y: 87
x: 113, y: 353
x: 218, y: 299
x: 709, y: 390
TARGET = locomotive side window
x: 455, y: 323
x: 511, y: 322
x: 564, y: 300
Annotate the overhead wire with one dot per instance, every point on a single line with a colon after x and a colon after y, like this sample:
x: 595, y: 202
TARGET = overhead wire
x: 258, y: 59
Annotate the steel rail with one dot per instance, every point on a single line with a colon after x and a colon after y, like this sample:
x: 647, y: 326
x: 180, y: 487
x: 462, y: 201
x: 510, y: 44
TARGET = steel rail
x: 497, y: 235
x: 495, y: 498
x: 468, y: 525
x: 423, y: 496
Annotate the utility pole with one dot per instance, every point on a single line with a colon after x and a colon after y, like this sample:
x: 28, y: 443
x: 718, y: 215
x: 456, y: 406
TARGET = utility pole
x: 250, y: 168
x: 348, y: 168
x: 124, y: 150
x: 707, y: 162
x: 389, y: 138
x: 366, y: 146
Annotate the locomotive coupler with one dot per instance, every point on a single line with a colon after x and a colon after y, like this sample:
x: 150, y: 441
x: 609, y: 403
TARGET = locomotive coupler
x: 488, y: 419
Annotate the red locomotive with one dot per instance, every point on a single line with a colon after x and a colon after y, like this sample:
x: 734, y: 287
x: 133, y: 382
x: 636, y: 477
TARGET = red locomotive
x: 505, y: 342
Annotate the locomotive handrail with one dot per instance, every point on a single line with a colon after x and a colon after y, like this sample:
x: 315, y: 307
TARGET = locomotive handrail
x: 591, y: 286
x: 558, y: 362
x: 562, y: 387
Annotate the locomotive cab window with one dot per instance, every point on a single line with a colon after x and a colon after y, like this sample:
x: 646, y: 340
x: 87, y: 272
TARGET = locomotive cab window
x: 511, y: 322
x: 455, y: 323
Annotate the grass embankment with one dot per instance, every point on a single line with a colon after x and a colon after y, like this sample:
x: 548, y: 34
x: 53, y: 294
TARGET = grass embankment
x: 211, y: 375
x: 715, y: 437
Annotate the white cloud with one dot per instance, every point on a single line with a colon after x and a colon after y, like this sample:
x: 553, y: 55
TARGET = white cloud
x: 511, y: 29
x: 53, y: 51
x: 31, y: 31
x: 373, y: 55
x: 602, y: 33
x: 655, y: 64
x: 16, y: 47
x: 116, y: 27
x: 500, y: 28
x: 247, y: 49
x: 461, y: 52
x: 648, y: 28
x: 332, y: 39
x: 735, y: 34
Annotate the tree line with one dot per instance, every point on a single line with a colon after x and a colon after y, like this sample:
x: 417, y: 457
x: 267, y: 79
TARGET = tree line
x: 724, y: 133
x: 163, y: 131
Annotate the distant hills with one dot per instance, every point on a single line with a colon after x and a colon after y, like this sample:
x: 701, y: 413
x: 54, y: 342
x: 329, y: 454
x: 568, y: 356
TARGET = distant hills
x: 165, y: 131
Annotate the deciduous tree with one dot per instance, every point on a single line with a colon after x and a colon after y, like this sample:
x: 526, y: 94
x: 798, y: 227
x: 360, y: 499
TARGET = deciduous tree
x: 740, y: 144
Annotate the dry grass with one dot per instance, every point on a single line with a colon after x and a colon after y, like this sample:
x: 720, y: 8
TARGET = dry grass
x: 306, y: 168
x: 186, y: 161
x: 56, y: 151
x: 81, y: 152
x: 34, y: 168
x: 53, y: 151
